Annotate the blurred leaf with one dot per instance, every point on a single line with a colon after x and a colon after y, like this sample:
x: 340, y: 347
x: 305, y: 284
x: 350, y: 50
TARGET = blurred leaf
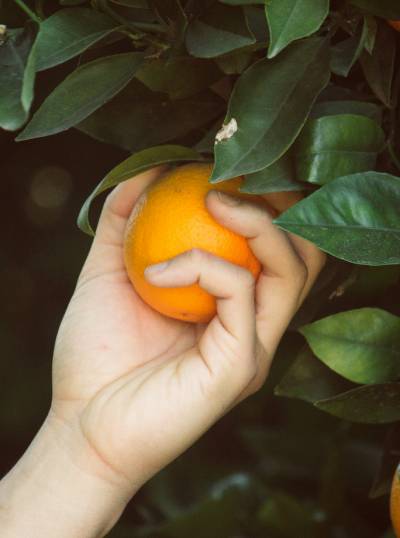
x: 309, y: 380
x: 257, y: 22
x: 17, y: 77
x: 235, y: 63
x: 357, y: 108
x: 361, y: 345
x: 134, y: 165
x: 357, y: 231
x: 345, y: 54
x: 390, y: 458
x: 138, y: 118
x: 178, y: 77
x: 172, y: 15
x: 388, y: 9
x: 335, y: 146
x: 85, y: 90
x: 220, y: 30
x: 378, y: 67
x: 141, y: 4
x: 69, y: 32
x: 277, y: 177
x: 287, y: 22
x: 371, y: 404
x: 371, y: 31
x: 270, y: 104
x: 241, y: 2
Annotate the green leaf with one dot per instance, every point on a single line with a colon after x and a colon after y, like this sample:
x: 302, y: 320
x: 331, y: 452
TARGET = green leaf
x: 309, y: 380
x: 358, y: 108
x: 17, y: 77
x: 361, y: 345
x: 85, y: 90
x: 138, y: 118
x: 236, y: 62
x: 277, y: 177
x: 357, y: 230
x: 379, y: 66
x: 345, y: 54
x: 69, y: 32
x: 179, y: 77
x: 335, y: 146
x: 372, y: 404
x: 388, y: 9
x: 270, y: 104
x: 134, y: 165
x: 287, y: 21
x: 220, y: 30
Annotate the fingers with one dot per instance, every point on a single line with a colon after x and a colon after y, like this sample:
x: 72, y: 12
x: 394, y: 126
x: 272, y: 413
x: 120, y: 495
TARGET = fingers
x: 230, y: 337
x: 106, y: 255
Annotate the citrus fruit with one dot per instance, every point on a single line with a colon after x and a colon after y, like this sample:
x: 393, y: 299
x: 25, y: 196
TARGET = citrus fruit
x: 395, y: 502
x: 395, y: 24
x: 170, y: 218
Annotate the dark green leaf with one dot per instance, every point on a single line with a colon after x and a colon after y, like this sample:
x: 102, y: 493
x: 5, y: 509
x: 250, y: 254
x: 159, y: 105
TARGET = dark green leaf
x: 235, y: 63
x: 379, y: 67
x: 361, y: 345
x: 69, y: 32
x: 134, y: 165
x: 138, y: 118
x: 309, y: 380
x: 388, y: 9
x: 358, y: 108
x: 270, y: 104
x: 221, y: 30
x: 335, y: 146
x: 372, y: 404
x: 17, y: 77
x: 345, y: 54
x: 257, y: 22
x: 141, y: 4
x: 85, y: 90
x: 357, y: 230
x: 178, y: 77
x: 277, y: 177
x: 287, y: 21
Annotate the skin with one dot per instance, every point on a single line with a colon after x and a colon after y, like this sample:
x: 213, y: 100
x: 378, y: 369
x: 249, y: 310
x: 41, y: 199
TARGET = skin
x: 132, y: 389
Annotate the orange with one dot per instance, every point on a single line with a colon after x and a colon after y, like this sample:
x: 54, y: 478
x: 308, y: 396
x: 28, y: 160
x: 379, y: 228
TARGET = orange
x: 170, y: 218
x: 395, y: 24
x: 395, y: 502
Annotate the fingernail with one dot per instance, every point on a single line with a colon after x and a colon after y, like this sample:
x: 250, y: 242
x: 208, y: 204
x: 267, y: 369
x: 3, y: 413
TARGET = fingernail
x: 156, y: 268
x: 227, y: 199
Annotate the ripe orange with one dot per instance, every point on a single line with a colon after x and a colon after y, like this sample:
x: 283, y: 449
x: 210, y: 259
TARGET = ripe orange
x: 171, y: 218
x: 395, y: 502
x: 395, y: 24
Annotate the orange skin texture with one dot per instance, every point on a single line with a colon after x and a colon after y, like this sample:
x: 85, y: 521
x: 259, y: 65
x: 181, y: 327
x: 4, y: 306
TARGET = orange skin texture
x: 395, y: 24
x: 395, y: 502
x: 171, y: 218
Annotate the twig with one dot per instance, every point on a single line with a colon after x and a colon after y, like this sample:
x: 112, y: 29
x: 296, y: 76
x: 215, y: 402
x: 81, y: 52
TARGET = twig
x: 28, y: 11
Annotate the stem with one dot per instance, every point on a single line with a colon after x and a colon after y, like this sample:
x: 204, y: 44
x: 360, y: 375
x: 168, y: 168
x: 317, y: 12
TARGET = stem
x: 28, y: 11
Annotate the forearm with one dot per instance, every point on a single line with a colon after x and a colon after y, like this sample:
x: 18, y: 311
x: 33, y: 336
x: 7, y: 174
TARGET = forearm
x: 52, y: 492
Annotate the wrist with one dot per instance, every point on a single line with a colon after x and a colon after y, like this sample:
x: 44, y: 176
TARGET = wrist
x: 60, y: 488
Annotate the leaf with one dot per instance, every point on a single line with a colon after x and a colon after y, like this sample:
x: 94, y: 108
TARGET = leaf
x: 345, y: 54
x: 372, y: 404
x: 310, y: 380
x: 287, y: 23
x: 134, y: 165
x: 335, y: 146
x: 138, y: 118
x: 220, y: 30
x: 379, y: 66
x: 277, y: 177
x: 85, y: 90
x: 357, y: 230
x: 358, y: 108
x: 361, y: 345
x: 270, y: 103
x: 388, y: 9
x: 69, y: 32
x: 242, y: 2
x: 179, y: 77
x: 236, y: 62
x: 17, y: 77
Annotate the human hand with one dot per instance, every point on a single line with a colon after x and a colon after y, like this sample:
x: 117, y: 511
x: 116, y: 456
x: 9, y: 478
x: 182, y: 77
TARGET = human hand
x: 133, y: 389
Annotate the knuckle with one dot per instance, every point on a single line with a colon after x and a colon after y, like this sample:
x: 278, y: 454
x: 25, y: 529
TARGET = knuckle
x: 247, y: 278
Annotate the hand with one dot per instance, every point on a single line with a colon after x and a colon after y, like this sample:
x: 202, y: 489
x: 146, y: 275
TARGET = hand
x: 133, y: 389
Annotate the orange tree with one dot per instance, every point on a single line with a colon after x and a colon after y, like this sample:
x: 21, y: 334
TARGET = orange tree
x: 294, y: 95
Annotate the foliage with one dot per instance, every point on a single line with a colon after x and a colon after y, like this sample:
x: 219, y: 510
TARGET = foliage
x: 293, y: 95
